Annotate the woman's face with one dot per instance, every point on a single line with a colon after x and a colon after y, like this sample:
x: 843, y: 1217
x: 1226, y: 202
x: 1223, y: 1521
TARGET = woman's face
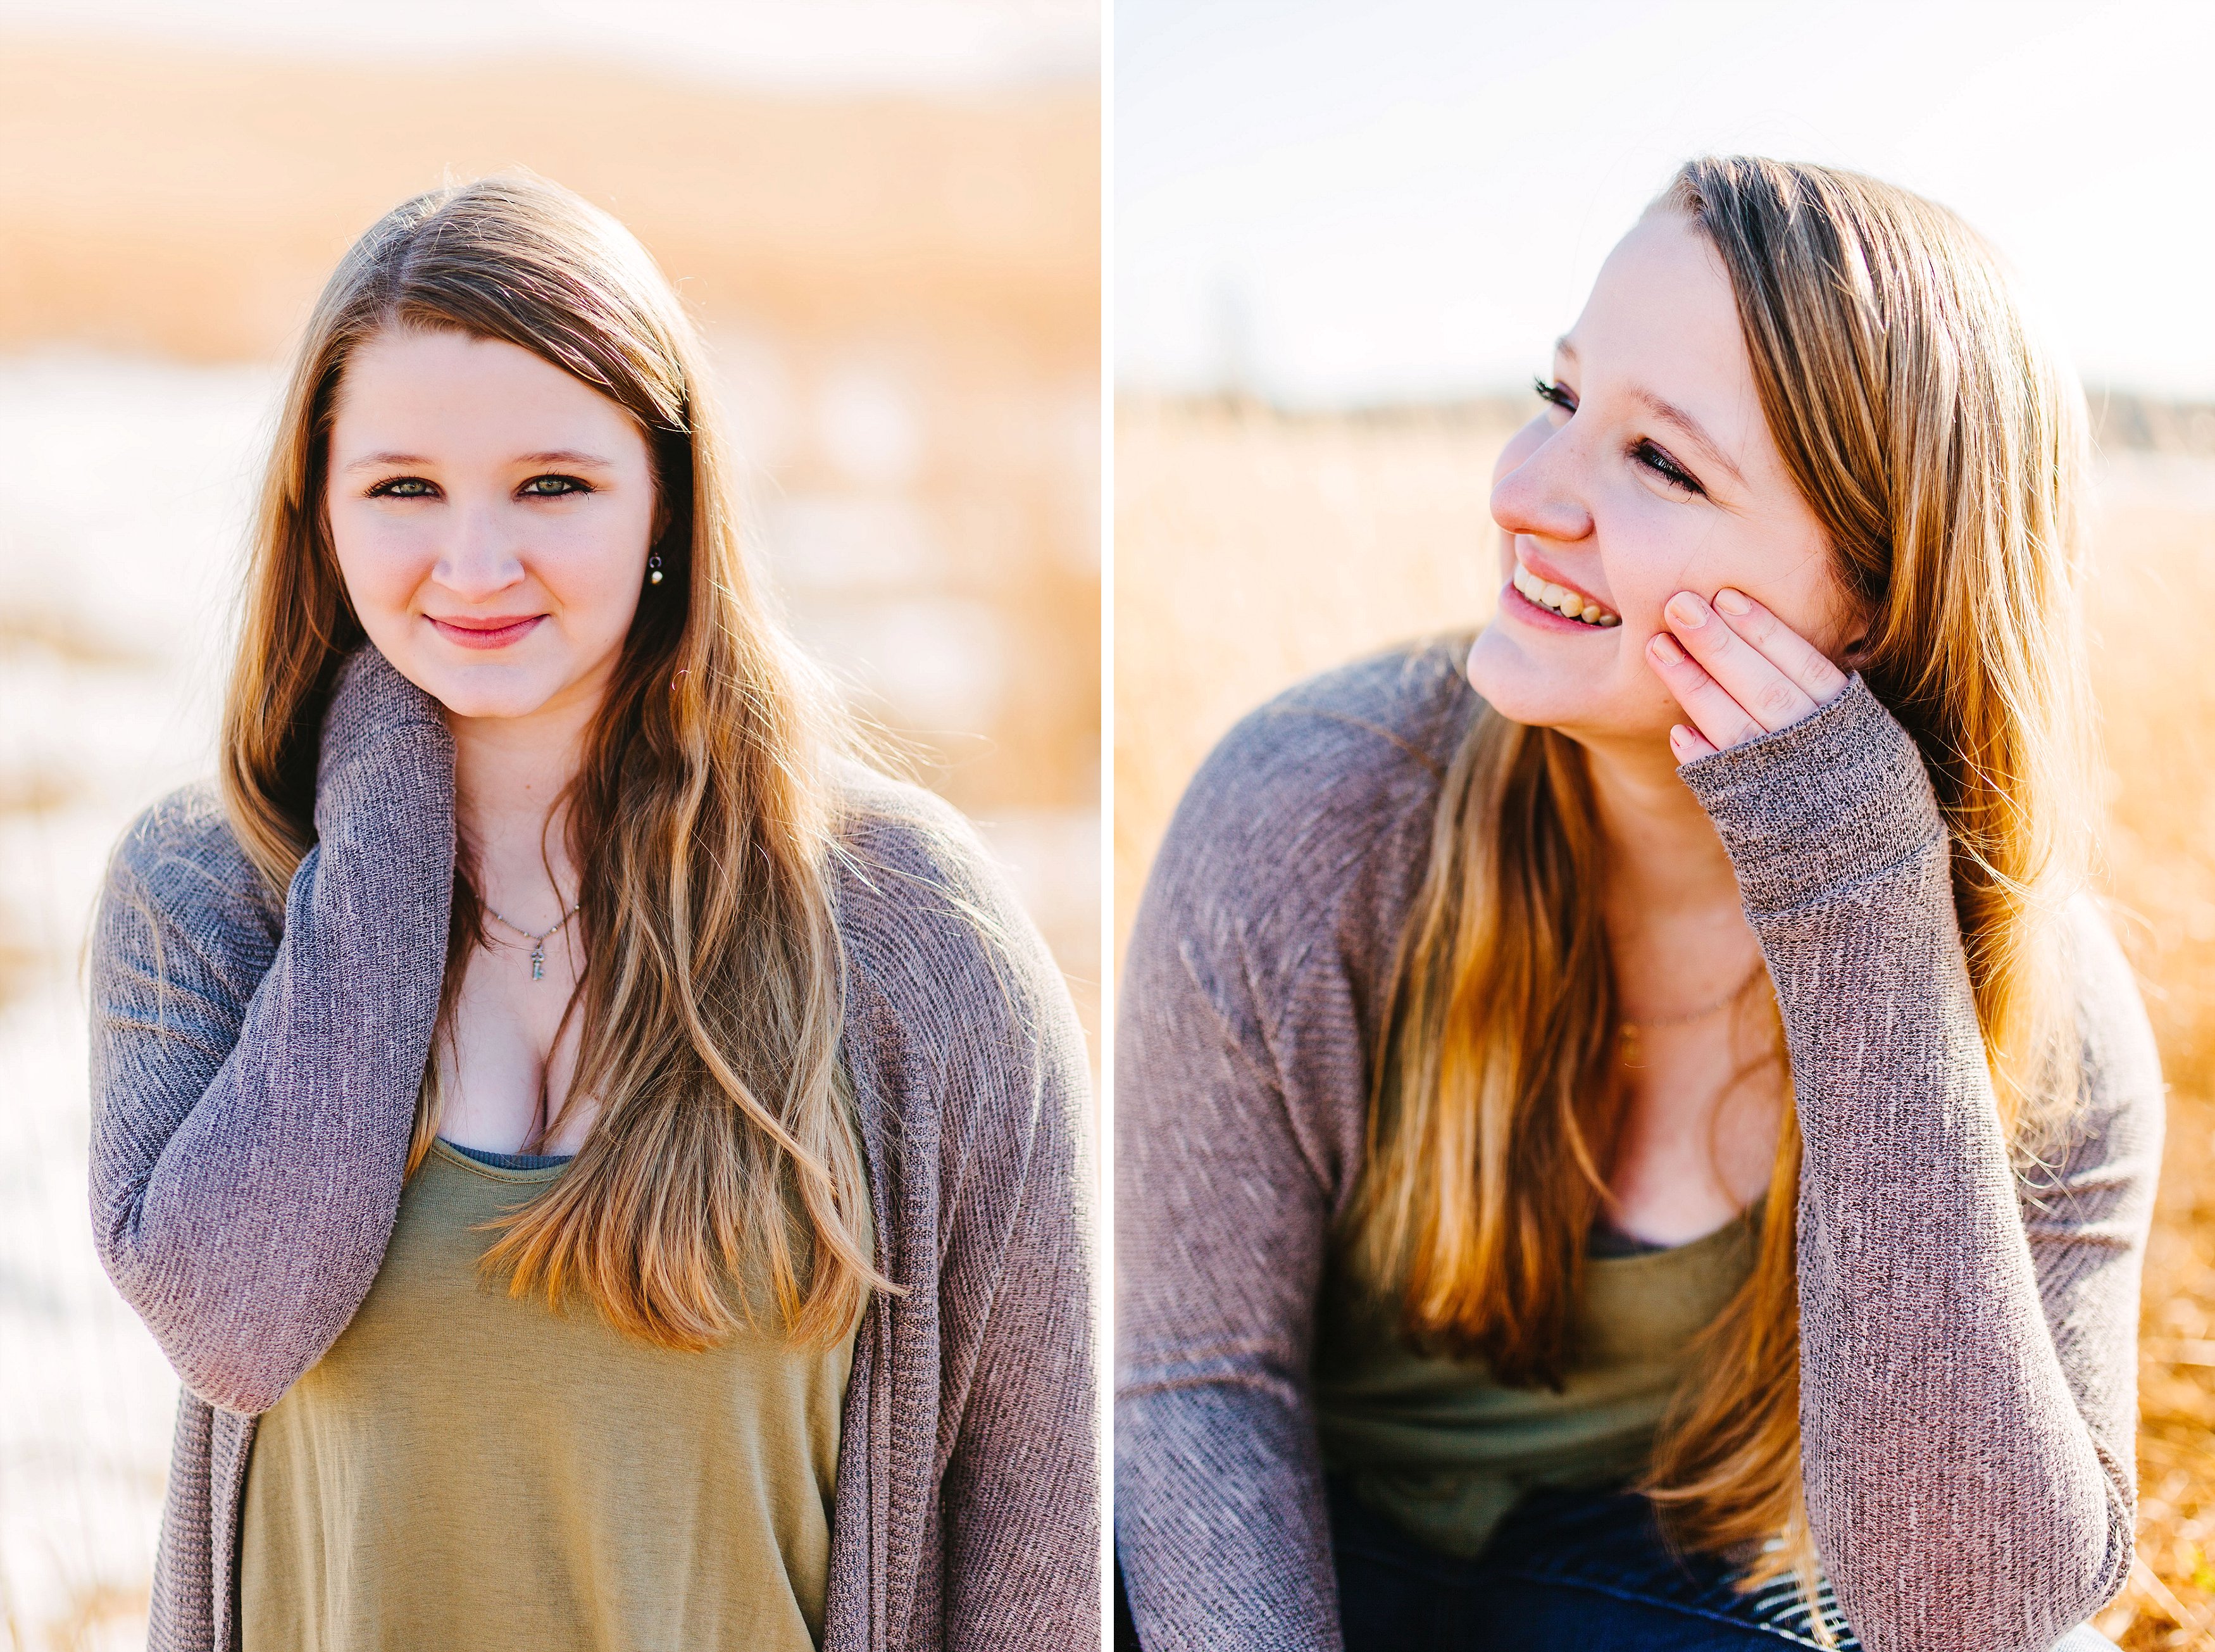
x: 1651, y: 472
x: 491, y: 515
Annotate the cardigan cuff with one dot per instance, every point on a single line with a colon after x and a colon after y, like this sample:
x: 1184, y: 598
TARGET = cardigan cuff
x: 1821, y: 807
x: 387, y: 758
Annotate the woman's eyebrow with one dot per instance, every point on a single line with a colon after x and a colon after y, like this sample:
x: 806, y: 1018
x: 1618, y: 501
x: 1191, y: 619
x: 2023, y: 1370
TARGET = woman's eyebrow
x: 567, y: 455
x: 560, y: 456
x: 1670, y: 414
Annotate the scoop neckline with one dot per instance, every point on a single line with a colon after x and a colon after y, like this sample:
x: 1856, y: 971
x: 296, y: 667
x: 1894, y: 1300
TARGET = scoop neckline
x: 455, y: 1157
x: 1712, y: 1236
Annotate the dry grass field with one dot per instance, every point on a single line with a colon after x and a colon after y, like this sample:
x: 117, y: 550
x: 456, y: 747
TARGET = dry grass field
x: 1253, y: 547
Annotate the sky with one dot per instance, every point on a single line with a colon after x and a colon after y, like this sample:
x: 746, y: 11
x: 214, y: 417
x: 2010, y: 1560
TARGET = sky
x: 1374, y: 200
x: 812, y: 44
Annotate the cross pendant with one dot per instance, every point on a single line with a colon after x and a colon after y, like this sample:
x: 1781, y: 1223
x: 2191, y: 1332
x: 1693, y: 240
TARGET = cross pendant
x: 538, y: 962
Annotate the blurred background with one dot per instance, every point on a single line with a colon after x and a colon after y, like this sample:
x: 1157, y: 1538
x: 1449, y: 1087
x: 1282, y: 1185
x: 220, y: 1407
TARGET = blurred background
x: 886, y: 218
x: 1346, y: 237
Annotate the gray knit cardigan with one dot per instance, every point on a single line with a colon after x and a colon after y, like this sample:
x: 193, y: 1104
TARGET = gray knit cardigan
x: 254, y: 1072
x: 1968, y: 1332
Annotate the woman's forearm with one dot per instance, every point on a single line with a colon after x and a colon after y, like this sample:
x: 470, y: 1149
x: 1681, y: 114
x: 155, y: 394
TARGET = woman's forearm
x: 1022, y: 1487
x: 1221, y: 1225
x: 1220, y: 1520
x: 1959, y: 1494
x: 250, y: 1139
x: 1956, y: 1491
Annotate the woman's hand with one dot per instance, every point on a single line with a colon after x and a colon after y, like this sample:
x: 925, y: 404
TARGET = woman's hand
x: 1738, y: 670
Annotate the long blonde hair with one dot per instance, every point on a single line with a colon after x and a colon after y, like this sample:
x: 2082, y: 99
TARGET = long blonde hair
x: 1943, y: 448
x: 703, y: 817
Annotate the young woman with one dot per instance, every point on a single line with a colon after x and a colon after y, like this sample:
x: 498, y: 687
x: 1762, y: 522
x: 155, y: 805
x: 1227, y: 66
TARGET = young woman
x: 602, y: 1160
x: 1628, y: 1124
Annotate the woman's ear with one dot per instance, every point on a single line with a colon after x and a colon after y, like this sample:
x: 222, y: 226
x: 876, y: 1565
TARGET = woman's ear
x: 1860, y: 623
x: 1853, y: 654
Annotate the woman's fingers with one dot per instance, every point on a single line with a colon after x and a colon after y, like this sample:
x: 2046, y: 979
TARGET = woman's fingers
x: 1687, y: 744
x: 1717, y: 718
x: 1747, y: 674
x: 1784, y: 647
x: 1738, y: 670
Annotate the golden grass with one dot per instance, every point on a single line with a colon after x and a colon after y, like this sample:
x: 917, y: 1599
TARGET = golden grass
x: 1252, y: 549
x: 190, y: 201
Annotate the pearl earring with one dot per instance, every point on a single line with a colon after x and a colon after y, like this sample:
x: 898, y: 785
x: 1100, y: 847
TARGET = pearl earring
x: 653, y: 568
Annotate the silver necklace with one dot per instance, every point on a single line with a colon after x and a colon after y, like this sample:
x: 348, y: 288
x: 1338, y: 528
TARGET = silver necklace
x: 537, y: 941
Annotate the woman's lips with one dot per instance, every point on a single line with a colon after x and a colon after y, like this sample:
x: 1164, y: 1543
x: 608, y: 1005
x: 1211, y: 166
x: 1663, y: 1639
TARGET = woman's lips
x: 498, y: 631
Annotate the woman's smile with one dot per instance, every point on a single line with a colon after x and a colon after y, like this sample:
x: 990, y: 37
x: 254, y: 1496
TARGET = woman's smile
x: 1546, y: 600
x: 493, y: 631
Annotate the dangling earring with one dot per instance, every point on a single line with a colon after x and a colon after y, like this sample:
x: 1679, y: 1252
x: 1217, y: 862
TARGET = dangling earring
x: 653, y: 568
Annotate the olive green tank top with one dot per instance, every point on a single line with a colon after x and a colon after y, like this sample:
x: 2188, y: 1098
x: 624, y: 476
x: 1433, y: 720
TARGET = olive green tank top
x: 464, y: 1469
x: 1443, y: 1449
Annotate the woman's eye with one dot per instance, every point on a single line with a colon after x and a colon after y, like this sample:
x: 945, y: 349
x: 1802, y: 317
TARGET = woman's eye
x: 1554, y: 395
x: 553, y: 487
x: 1666, y: 468
x: 402, y: 487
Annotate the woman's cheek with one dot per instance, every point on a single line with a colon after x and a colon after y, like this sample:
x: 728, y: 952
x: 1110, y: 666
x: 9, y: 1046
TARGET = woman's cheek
x: 1644, y: 558
x: 383, y: 568
x: 597, y: 576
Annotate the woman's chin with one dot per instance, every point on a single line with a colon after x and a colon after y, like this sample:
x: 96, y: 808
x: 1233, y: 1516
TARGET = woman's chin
x: 1523, y: 688
x: 488, y: 691
x: 1528, y: 687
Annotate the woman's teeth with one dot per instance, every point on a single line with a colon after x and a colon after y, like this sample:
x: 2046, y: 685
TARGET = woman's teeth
x: 1569, y: 604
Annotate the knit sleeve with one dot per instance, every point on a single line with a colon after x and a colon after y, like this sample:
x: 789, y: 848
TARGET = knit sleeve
x: 967, y: 1032
x: 1221, y: 1223
x: 253, y: 1087
x: 1968, y: 1334
x: 1247, y: 1017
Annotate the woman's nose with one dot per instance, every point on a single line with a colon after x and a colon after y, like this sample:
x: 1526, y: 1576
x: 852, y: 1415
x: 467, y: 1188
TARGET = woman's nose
x: 1533, y: 487
x: 480, y: 560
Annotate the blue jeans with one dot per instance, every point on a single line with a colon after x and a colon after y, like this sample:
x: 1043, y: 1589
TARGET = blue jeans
x: 1566, y: 1570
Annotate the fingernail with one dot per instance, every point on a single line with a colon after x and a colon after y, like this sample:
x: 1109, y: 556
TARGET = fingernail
x: 1733, y: 603
x: 1688, y: 610
x: 1663, y: 646
x: 1678, y: 735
